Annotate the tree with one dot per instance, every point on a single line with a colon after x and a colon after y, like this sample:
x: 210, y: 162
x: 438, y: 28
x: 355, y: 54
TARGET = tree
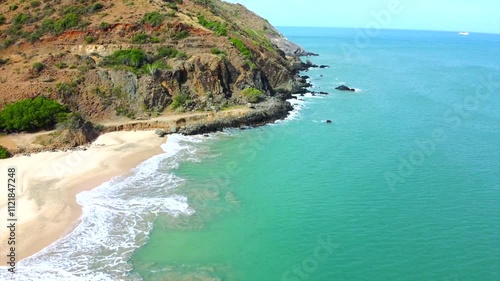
x: 32, y: 114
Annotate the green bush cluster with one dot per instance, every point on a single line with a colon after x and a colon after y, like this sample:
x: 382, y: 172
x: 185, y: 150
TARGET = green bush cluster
x: 60, y: 25
x: 21, y: 19
x: 73, y: 121
x: 181, y: 102
x: 182, y: 56
x: 218, y: 28
x: 253, y: 95
x: 2, y: 19
x: 242, y: 48
x: 153, y: 19
x: 166, y: 52
x: 38, y: 67
x: 4, y: 153
x: 89, y: 39
x: 217, y: 51
x: 32, y: 114
x: 66, y: 90
x: 69, y: 17
x: 134, y: 58
x: 140, y: 38
x: 180, y: 35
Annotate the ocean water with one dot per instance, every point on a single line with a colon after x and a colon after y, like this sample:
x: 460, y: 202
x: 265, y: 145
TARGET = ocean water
x: 404, y: 185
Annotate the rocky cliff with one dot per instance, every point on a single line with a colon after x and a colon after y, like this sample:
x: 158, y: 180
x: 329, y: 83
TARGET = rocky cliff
x: 125, y: 60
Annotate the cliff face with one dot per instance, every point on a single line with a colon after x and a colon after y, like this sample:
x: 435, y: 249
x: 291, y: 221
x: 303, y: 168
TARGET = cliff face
x: 140, y: 58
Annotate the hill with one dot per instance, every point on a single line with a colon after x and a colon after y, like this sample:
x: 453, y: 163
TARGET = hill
x: 117, y: 61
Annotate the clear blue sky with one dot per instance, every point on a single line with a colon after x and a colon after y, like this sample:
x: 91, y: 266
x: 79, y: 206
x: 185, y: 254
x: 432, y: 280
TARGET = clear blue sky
x: 453, y: 15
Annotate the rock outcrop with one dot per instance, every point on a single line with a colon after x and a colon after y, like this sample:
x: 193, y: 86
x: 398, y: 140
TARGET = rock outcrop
x: 191, y: 58
x: 345, y: 88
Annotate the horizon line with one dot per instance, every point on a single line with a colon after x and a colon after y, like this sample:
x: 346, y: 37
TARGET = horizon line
x: 405, y: 29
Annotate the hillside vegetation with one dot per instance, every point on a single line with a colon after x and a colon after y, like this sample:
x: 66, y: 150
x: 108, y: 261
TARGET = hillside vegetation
x: 137, y: 59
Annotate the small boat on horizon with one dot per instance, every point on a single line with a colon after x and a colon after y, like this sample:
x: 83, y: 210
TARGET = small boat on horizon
x: 464, y: 33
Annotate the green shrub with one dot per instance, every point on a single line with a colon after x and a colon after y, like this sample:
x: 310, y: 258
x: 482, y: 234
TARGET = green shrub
x: 13, y: 7
x: 74, y: 121
x: 153, y: 19
x: 35, y: 4
x: 61, y: 65
x: 153, y: 67
x: 242, y: 48
x: 166, y: 52
x: 104, y: 25
x: 218, y: 28
x: 124, y: 111
x: 34, y: 36
x: 140, y: 38
x: 67, y: 90
x: 8, y: 42
x: 95, y: 7
x: 32, y: 114
x: 132, y: 57
x: 2, y: 19
x: 217, y: 51
x: 181, y: 101
x: 67, y: 22
x: 182, y: 56
x: 253, y: 95
x: 3, y: 61
x: 180, y: 35
x: 21, y: 19
x: 38, y: 67
x: 89, y: 39
x: 4, y: 153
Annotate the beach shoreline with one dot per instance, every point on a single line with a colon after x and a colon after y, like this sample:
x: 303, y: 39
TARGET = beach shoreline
x: 48, y: 183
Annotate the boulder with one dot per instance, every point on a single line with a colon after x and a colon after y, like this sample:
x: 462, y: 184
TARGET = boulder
x: 324, y: 66
x: 161, y: 133
x: 329, y: 122
x: 344, y: 88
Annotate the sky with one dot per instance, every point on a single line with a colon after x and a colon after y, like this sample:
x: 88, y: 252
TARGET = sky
x: 449, y: 15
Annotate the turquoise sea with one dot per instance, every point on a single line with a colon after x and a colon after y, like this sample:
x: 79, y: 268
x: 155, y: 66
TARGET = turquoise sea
x: 404, y: 185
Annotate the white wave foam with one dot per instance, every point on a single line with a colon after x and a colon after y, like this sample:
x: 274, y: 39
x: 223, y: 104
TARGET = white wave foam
x: 117, y: 218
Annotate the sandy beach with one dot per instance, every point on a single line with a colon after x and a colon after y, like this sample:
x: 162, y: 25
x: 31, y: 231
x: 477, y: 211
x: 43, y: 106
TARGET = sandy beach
x: 48, y: 183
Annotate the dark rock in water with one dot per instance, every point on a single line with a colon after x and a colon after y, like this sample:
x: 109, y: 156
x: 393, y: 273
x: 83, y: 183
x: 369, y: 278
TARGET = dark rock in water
x: 323, y: 93
x: 321, y: 75
x: 301, y: 94
x: 329, y: 122
x: 206, y: 136
x: 344, y: 88
x: 324, y: 66
x: 305, y: 77
x: 161, y: 133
